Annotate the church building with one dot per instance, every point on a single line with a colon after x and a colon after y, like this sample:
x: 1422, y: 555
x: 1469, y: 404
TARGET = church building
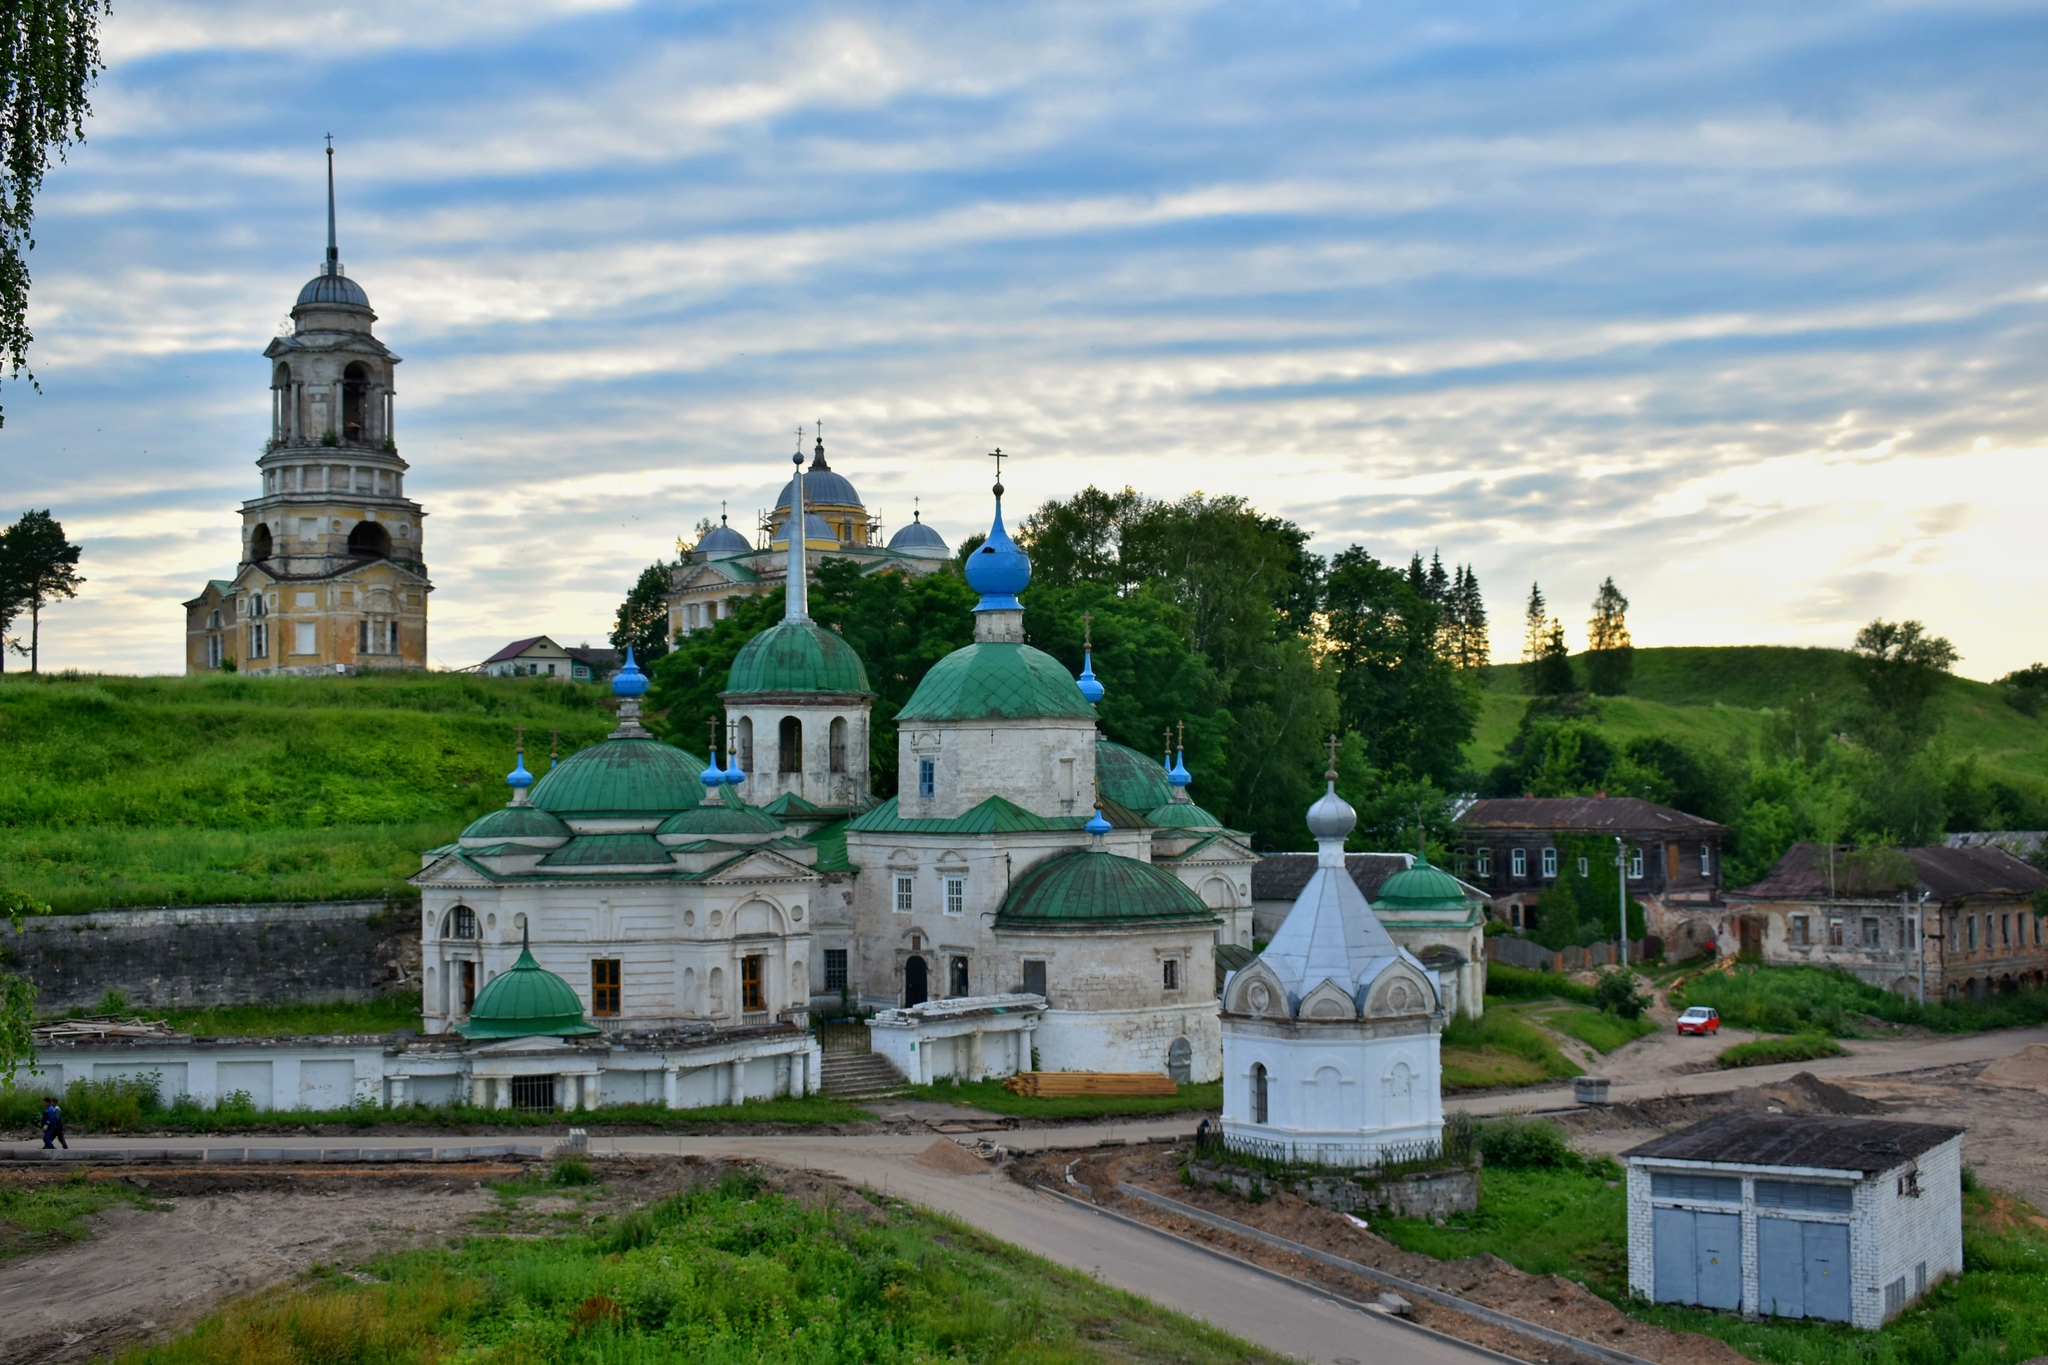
x: 332, y: 573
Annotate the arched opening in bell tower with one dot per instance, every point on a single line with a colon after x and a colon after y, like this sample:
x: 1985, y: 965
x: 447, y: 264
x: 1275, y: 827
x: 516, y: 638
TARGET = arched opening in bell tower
x: 355, y: 401
x: 259, y: 542
x: 369, y: 540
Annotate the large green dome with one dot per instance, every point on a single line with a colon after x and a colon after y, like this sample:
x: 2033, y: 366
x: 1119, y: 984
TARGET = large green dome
x: 994, y: 680
x: 796, y: 656
x: 1183, y: 815
x: 1088, y: 888
x: 622, y: 779
x: 1420, y: 887
x: 728, y: 815
x: 524, y: 1001
x: 1129, y: 778
x: 516, y: 823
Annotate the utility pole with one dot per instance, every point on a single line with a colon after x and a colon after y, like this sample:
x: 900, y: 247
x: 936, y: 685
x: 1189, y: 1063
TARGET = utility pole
x: 1621, y: 892
x: 1920, y: 926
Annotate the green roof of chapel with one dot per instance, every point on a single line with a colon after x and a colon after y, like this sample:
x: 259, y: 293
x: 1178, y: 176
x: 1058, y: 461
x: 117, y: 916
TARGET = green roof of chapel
x: 725, y: 815
x: 516, y: 822
x: 1089, y: 887
x: 1420, y: 887
x: 1130, y: 778
x: 996, y: 680
x: 525, y: 1000
x: 797, y: 656
x: 623, y: 779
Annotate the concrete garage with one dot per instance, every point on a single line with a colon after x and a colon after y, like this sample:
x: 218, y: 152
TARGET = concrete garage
x: 1773, y: 1215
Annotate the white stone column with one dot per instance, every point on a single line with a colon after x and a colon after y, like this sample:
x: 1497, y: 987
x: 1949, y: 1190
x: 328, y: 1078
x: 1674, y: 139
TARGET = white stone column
x: 670, y: 1087
x: 797, y: 1068
x: 398, y: 1091
x: 739, y: 1080
x: 565, y: 1092
x: 480, y: 1092
x: 974, y: 1056
x: 504, y: 1098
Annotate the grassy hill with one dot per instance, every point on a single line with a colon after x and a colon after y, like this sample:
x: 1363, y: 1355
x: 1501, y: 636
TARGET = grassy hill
x: 165, y: 791
x: 1711, y: 696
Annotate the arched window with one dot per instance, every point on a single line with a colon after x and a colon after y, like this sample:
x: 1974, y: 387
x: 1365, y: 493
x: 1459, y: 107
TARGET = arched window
x: 259, y: 543
x: 958, y: 986
x: 355, y: 400
x: 1258, y: 1092
x: 746, y: 744
x: 838, y: 735
x: 789, y: 741
x: 281, y: 403
x: 461, y: 923
x: 369, y: 540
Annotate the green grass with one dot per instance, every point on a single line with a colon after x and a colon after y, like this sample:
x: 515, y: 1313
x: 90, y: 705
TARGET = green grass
x: 1599, y: 1031
x: 163, y: 791
x: 1804, y: 1047
x: 38, y: 1217
x: 991, y: 1096
x: 1500, y: 1048
x: 721, y: 1276
x: 1821, y: 1000
x: 383, y: 1015
x: 1510, y: 982
x: 1547, y: 1222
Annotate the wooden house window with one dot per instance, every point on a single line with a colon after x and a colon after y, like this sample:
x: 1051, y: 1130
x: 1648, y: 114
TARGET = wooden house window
x: 604, y: 986
x: 1518, y: 862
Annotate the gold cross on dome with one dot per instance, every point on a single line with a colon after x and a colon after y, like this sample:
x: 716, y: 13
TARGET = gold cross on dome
x: 1087, y: 624
x: 1332, y: 774
x: 521, y: 730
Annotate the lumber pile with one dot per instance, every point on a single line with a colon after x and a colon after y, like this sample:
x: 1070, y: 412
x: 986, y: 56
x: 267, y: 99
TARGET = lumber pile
x: 1066, y: 1084
x: 100, y: 1027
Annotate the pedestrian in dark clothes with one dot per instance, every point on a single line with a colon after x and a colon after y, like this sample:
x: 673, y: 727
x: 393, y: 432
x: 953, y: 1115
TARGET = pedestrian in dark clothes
x: 53, y: 1125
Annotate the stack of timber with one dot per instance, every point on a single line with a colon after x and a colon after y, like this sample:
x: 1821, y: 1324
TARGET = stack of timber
x: 1064, y: 1084
x: 100, y: 1027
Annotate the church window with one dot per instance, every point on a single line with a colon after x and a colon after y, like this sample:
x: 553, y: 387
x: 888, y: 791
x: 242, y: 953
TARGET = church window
x: 305, y: 638
x: 604, y: 986
x: 1518, y: 862
x: 1170, y: 974
x: 462, y: 922
x: 259, y: 543
x: 927, y: 778
x: 835, y: 969
x: 838, y: 743
x: 750, y: 984
x: 789, y: 757
x: 468, y: 987
x: 956, y: 895
x: 905, y: 887
x: 1034, y: 978
x: 369, y: 540
x: 1550, y: 862
x: 362, y: 637
x: 746, y: 744
x: 391, y: 640
x: 355, y: 395
x: 1259, y: 1092
x: 957, y: 971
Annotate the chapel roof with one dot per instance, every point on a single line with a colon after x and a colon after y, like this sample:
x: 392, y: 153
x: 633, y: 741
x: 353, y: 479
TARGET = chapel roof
x: 992, y: 680
x: 623, y: 779
x: 525, y: 1000
x: 797, y: 656
x: 1089, y: 887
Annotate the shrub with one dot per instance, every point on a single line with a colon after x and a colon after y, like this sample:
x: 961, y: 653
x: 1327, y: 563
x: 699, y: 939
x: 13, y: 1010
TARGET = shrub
x: 1520, y: 1144
x: 572, y: 1171
x: 1766, y: 1051
x: 1519, y: 983
x: 1616, y: 993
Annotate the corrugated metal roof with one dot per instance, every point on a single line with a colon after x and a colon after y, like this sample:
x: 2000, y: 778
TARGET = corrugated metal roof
x: 1280, y: 876
x: 1591, y: 814
x: 1824, y: 1142
x: 1981, y: 873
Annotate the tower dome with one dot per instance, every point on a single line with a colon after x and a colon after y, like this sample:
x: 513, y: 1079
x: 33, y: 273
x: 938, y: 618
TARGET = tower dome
x: 919, y: 540
x: 526, y: 1000
x: 796, y: 656
x: 822, y: 487
x: 999, y: 569
x: 721, y: 541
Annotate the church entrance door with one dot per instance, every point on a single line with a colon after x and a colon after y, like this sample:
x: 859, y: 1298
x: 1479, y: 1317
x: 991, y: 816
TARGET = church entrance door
x: 916, y: 984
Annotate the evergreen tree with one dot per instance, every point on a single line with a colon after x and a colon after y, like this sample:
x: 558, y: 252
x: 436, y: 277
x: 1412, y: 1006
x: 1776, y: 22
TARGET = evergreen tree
x: 1439, y: 582
x: 1470, y: 648
x: 1610, y: 658
x: 642, y: 620
x: 1554, y: 666
x: 1395, y: 685
x: 38, y: 566
x: 1535, y: 636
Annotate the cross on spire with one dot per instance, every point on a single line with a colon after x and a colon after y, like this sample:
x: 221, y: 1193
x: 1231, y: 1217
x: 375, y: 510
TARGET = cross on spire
x: 997, y: 456
x: 1087, y: 628
x: 711, y: 729
x: 1332, y: 746
x: 520, y: 730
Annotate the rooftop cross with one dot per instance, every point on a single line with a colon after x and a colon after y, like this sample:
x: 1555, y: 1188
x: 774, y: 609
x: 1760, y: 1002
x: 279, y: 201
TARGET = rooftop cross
x: 1332, y: 745
x: 1087, y: 625
x: 520, y: 730
x: 997, y: 456
x: 554, y: 746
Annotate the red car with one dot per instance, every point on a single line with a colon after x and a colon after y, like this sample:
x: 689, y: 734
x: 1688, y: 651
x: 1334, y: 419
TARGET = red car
x: 1699, y: 1019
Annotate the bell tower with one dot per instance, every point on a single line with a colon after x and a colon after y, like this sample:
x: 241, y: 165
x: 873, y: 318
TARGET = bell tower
x: 333, y: 572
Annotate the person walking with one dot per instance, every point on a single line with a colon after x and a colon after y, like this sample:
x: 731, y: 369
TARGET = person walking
x: 53, y: 1124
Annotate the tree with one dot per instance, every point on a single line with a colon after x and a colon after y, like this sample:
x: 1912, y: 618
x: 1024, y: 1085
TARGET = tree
x: 1535, y: 635
x: 1901, y: 668
x: 17, y: 999
x: 2025, y: 688
x: 49, y: 58
x: 38, y: 566
x: 1554, y: 675
x: 642, y: 620
x: 685, y: 682
x: 1469, y: 648
x: 1610, y: 658
x: 1395, y: 686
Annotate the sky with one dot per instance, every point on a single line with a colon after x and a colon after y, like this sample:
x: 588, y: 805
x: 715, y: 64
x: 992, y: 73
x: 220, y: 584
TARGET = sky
x: 1741, y: 304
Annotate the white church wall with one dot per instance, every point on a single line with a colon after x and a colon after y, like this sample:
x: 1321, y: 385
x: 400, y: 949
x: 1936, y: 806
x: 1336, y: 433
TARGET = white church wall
x: 1335, y: 1095
x: 1045, y: 766
x: 1131, y: 1039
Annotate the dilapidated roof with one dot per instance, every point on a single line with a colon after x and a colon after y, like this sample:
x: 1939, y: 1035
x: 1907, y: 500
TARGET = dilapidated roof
x: 1944, y: 874
x: 1281, y: 876
x: 1825, y: 1143
x: 1582, y: 814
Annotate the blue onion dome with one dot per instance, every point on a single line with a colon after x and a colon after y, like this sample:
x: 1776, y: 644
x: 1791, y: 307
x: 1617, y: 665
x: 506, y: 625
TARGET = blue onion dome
x: 822, y: 488
x: 519, y: 779
x: 1178, y: 774
x: 722, y: 542
x: 1091, y: 686
x: 734, y: 773
x: 919, y: 540
x: 629, y: 681
x: 1098, y: 826
x: 712, y: 775
x: 333, y: 291
x: 1000, y: 569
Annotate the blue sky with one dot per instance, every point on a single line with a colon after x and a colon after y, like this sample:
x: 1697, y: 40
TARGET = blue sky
x: 1741, y: 304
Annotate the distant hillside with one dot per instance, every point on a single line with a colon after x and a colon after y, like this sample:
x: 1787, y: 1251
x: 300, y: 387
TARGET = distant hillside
x: 151, y: 791
x: 1712, y: 695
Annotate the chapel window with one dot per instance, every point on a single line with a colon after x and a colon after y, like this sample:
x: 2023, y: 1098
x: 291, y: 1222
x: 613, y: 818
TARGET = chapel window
x: 927, y: 778
x: 838, y: 743
x: 956, y: 895
x: 905, y: 888
x: 789, y: 757
x: 750, y: 984
x: 957, y: 972
x: 1170, y: 976
x: 604, y: 986
x: 746, y: 744
x: 1258, y: 1092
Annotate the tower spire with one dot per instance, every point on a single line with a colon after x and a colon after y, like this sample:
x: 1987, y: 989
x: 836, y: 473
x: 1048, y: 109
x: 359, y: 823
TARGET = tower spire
x: 796, y: 600
x: 333, y: 252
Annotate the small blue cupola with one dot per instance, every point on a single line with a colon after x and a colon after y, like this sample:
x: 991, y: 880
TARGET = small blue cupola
x: 1098, y: 826
x: 1091, y: 686
x: 519, y: 779
x: 713, y: 775
x: 1177, y: 772
x: 629, y: 681
x: 999, y: 569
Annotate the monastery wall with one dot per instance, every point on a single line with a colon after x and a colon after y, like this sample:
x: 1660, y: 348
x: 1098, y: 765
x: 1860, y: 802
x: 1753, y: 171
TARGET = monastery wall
x: 195, y: 955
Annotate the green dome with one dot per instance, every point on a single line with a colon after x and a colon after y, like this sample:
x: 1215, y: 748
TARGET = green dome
x: 515, y: 823
x: 1421, y: 887
x: 1182, y: 815
x: 525, y: 1001
x: 729, y: 815
x: 623, y: 779
x: 796, y: 656
x: 1087, y: 887
x: 1129, y: 778
x: 997, y: 681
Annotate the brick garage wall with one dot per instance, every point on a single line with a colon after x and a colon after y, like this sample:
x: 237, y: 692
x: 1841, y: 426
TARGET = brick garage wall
x: 188, y: 956
x: 1900, y: 1233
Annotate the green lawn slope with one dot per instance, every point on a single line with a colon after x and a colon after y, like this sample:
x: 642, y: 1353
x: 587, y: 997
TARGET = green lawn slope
x: 1710, y: 696
x: 169, y: 791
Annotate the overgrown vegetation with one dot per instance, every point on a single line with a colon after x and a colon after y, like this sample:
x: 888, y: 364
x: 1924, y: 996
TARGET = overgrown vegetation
x: 382, y: 1015
x: 991, y: 1096
x: 1510, y: 982
x: 1817, y: 1000
x: 1803, y: 1047
x: 36, y: 1217
x: 1501, y: 1047
x: 732, y: 1273
x: 222, y: 788
x: 1598, y: 1030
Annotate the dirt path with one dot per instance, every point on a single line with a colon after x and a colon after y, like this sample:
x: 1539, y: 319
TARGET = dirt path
x: 146, y: 1271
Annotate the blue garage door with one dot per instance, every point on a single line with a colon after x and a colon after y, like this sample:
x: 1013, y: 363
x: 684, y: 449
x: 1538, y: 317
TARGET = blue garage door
x: 1803, y: 1268
x: 1698, y: 1257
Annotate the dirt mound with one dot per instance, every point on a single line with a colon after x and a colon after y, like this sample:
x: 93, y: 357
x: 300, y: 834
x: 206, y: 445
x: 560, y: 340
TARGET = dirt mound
x: 1807, y: 1093
x: 2026, y: 1069
x: 948, y: 1157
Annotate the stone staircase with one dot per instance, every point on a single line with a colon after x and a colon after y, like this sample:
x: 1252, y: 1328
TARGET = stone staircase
x: 858, y: 1076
